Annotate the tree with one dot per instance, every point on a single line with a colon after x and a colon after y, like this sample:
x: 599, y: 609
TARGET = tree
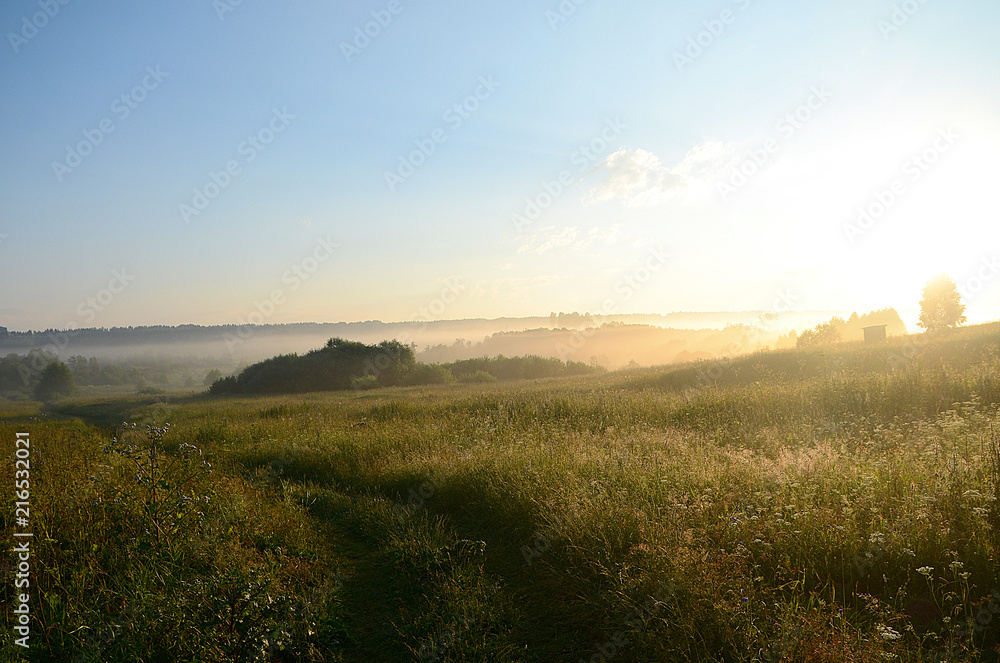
x: 56, y: 380
x: 212, y: 376
x: 941, y: 305
x: 826, y: 333
x: 428, y: 374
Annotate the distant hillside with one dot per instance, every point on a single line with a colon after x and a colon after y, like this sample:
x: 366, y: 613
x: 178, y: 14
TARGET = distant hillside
x: 614, y: 345
x: 250, y: 343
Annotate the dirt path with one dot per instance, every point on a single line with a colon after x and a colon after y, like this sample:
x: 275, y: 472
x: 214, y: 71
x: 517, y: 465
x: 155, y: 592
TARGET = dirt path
x: 367, y: 592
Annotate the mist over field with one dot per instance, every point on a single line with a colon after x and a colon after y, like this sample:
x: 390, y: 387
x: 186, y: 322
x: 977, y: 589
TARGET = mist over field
x: 437, y: 338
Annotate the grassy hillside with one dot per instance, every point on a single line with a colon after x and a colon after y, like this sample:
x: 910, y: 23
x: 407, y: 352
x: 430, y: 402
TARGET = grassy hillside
x: 805, y: 505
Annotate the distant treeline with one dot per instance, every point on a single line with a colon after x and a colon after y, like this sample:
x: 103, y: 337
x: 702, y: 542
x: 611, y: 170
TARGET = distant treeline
x: 838, y: 329
x: 20, y: 375
x: 342, y: 364
x: 613, y: 345
x: 255, y: 342
x: 124, y: 337
x: 503, y: 368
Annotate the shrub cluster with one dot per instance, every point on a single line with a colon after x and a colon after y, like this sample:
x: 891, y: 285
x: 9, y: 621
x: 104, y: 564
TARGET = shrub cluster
x: 338, y: 365
x: 342, y: 364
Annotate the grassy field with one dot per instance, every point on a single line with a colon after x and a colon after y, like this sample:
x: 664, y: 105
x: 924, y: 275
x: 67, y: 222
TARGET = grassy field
x: 825, y: 505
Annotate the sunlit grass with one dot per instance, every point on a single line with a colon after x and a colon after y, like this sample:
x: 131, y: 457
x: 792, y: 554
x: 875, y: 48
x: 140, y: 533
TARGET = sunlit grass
x: 794, y: 506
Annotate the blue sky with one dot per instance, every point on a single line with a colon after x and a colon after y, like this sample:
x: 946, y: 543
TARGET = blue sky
x: 648, y: 130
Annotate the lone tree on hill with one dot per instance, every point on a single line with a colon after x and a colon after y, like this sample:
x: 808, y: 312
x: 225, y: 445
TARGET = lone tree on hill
x: 941, y: 305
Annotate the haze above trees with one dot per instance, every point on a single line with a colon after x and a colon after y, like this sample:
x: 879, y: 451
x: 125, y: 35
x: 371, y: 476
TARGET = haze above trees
x: 153, y: 359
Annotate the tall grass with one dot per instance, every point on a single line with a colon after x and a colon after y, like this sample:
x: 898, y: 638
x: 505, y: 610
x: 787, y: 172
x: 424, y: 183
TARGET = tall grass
x: 793, y: 506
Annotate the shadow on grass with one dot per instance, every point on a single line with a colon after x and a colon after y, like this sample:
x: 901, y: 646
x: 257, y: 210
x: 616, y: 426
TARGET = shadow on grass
x: 110, y: 412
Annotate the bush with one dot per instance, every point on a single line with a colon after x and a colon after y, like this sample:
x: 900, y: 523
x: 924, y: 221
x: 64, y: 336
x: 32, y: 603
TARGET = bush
x: 339, y: 365
x: 429, y: 374
x: 227, y: 385
x: 57, y: 380
x: 826, y: 333
x: 528, y: 367
x: 342, y: 365
x: 478, y: 377
x: 364, y: 383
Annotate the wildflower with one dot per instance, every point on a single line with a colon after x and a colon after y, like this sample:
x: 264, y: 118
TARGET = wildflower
x: 887, y: 633
x: 954, y: 566
x: 925, y: 571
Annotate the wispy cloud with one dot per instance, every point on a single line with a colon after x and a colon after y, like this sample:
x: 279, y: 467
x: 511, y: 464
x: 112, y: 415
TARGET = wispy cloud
x: 639, y: 179
x: 518, y: 288
x: 550, y: 238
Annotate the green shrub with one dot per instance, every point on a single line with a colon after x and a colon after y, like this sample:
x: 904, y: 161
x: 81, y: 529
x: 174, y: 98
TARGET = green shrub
x: 334, y: 367
x: 477, y: 377
x: 364, y: 383
x: 429, y: 374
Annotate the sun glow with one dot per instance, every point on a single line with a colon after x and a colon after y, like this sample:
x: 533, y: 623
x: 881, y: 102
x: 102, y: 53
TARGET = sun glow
x: 881, y: 211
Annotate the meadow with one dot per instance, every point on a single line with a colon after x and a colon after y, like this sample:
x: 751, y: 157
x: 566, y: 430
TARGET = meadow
x: 831, y: 504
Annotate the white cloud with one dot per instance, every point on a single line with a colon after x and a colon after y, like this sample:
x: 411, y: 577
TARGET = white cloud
x: 549, y: 238
x: 639, y: 179
x: 545, y: 239
x: 601, y: 236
